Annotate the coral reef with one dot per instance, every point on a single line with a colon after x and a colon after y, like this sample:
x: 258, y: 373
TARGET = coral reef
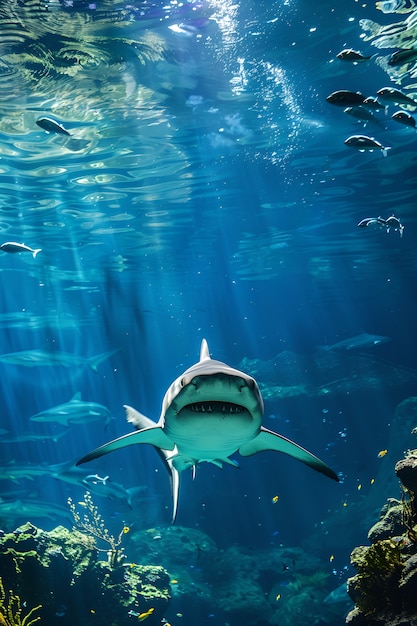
x: 385, y: 587
x: 276, y: 585
x: 61, y: 571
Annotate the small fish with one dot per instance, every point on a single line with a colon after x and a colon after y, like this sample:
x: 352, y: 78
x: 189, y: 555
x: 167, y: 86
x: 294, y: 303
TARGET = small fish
x: 382, y: 453
x: 345, y: 98
x: 373, y: 104
x: 13, y: 247
x: 362, y: 114
x: 125, y: 530
x: 278, y: 597
x: 275, y: 499
x: 359, y: 487
x: 404, y: 118
x: 52, y: 126
x: 394, y: 223
x: 363, y: 142
x: 394, y: 96
x: 378, y: 222
x: 174, y: 581
x: 401, y: 57
x: 331, y: 558
x: 372, y: 481
x: 348, y: 54
x: 146, y: 614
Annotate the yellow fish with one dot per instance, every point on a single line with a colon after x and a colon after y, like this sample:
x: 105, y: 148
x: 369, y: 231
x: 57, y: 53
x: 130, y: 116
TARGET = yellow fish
x: 275, y: 499
x: 125, y: 529
x: 382, y: 453
x: 331, y: 558
x: 147, y: 613
x: 174, y: 581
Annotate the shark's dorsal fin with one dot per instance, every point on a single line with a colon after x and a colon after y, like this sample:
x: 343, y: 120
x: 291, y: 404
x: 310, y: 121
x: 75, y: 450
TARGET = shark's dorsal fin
x: 204, y: 351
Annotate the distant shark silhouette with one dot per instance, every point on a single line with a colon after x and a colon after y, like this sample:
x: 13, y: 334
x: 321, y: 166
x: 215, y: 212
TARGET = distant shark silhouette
x: 208, y: 413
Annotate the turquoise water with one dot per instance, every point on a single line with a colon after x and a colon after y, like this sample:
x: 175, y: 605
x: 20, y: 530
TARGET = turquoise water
x: 205, y: 191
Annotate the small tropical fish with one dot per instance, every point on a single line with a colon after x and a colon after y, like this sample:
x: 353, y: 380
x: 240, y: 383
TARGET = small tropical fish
x: 372, y: 481
x: 174, y: 581
x: 278, y: 597
x: 359, y: 487
x: 348, y: 54
x: 275, y: 499
x: 394, y: 96
x: 125, y: 530
x: 51, y: 126
x: 331, y: 558
x: 13, y: 247
x: 345, y: 98
x: 145, y: 615
x: 404, y: 118
x: 382, y: 453
x: 401, y: 57
x: 363, y: 142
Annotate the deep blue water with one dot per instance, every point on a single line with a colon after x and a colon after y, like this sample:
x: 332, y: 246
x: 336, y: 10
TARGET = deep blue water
x: 206, y: 192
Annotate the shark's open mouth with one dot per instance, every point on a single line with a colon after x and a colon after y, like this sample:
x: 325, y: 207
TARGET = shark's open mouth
x: 214, y: 406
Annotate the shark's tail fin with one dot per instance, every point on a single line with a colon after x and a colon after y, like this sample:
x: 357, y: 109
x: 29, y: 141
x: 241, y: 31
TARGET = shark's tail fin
x: 95, y: 361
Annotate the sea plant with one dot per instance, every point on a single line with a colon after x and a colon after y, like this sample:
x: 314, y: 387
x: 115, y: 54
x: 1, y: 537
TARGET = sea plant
x: 92, y: 523
x: 11, y: 611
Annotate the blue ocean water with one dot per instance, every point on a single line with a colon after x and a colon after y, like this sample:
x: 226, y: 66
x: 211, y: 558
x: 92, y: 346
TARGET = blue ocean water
x: 205, y: 191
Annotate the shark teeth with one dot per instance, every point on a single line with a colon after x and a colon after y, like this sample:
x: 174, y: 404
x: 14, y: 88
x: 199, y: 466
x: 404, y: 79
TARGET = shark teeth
x: 214, y: 407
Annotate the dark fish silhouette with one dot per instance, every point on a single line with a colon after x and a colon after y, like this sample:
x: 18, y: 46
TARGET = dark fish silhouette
x: 345, y: 98
x: 401, y: 57
x: 363, y: 142
x: 52, y: 126
x: 354, y: 56
x: 390, y: 95
x: 404, y: 118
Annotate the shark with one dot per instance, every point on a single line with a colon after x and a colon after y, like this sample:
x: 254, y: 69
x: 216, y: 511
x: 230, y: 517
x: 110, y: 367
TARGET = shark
x: 209, y: 413
x: 76, y: 411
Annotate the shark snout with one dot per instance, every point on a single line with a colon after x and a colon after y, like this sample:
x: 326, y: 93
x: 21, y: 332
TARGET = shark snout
x: 219, y: 393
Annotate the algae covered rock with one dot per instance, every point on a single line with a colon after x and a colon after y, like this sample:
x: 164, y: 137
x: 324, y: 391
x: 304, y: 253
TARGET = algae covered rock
x: 61, y: 571
x: 385, y: 587
x: 391, y: 522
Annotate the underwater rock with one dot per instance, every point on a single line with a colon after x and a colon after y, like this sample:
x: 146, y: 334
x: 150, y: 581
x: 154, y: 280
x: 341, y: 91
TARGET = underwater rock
x: 238, y: 584
x: 61, y: 571
x: 406, y: 470
x: 385, y: 587
x: 391, y: 523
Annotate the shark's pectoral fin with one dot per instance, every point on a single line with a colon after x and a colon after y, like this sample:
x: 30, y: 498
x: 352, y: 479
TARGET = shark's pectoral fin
x: 154, y: 436
x: 268, y: 440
